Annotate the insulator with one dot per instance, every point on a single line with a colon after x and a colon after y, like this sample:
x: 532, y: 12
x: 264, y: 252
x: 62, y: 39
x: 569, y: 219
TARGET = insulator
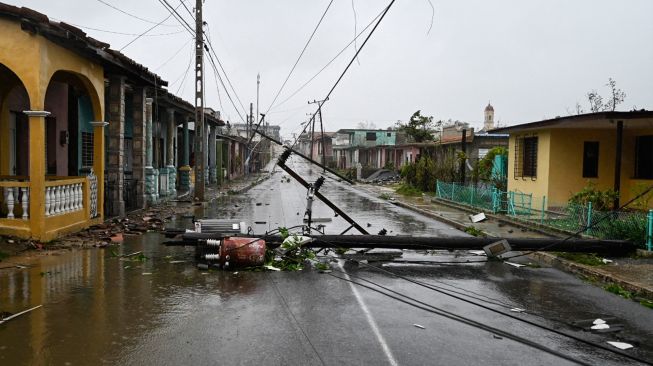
x: 226, y: 265
x: 212, y: 257
x: 213, y: 242
x: 227, y: 257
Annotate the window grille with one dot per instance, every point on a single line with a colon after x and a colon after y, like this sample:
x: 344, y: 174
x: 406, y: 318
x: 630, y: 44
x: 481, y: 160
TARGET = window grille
x: 526, y: 157
x: 644, y: 157
x: 87, y: 149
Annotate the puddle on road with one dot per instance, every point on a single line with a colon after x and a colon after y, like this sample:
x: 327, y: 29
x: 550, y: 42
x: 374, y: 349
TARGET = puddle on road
x: 97, y: 308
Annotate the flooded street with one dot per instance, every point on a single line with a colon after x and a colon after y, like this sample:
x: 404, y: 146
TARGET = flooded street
x: 99, y: 308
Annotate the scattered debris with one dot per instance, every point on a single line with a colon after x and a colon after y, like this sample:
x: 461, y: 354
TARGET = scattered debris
x: 606, y: 261
x: 419, y: 326
x: 496, y: 336
x: 515, y: 264
x: 132, y: 254
x: 517, y: 310
x: 18, y: 314
x: 271, y: 268
x: 477, y: 252
x: 147, y: 273
x: 497, y: 248
x: 600, y: 326
x: 477, y: 218
x: 621, y: 345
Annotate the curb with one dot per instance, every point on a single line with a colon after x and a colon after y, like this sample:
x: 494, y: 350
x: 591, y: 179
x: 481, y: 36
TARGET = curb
x: 532, y: 227
x: 430, y: 214
x: 595, y: 273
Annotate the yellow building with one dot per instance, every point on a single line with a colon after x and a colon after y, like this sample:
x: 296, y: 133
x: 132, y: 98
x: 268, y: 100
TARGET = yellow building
x: 52, y: 124
x: 556, y: 158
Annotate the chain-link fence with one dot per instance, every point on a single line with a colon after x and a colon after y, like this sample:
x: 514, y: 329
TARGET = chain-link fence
x: 636, y: 226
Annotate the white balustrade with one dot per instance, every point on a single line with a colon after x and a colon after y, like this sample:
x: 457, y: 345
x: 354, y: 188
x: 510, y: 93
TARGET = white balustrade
x: 16, y: 197
x: 25, y: 202
x: 10, y: 202
x: 63, y: 199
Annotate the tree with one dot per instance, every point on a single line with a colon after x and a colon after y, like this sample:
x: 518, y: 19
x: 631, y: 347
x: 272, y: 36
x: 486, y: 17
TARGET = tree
x: 367, y: 125
x: 419, y: 127
x: 617, y: 96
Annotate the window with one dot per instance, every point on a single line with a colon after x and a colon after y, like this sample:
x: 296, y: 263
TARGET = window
x: 526, y: 157
x: 644, y: 157
x: 389, y: 134
x: 370, y: 136
x: 591, y: 159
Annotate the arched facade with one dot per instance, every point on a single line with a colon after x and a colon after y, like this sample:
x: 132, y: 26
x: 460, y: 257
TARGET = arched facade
x: 37, y: 75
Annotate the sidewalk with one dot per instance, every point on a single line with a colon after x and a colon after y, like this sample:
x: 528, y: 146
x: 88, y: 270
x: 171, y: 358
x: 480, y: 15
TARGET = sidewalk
x: 633, y: 275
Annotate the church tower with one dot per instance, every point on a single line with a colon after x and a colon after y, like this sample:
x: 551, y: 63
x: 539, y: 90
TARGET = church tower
x: 489, y: 117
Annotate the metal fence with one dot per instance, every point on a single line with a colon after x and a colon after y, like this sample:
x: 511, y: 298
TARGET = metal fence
x: 626, y: 224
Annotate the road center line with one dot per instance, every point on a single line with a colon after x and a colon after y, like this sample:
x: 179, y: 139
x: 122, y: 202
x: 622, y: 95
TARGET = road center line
x: 370, y: 319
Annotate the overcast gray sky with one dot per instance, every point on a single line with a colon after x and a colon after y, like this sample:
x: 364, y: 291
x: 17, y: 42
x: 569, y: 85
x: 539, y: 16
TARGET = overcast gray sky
x: 531, y: 59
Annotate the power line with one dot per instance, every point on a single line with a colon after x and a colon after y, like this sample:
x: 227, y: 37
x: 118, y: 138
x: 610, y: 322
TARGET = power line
x: 182, y: 21
x: 217, y: 74
x: 300, y: 56
x: 190, y: 61
x: 342, y: 75
x: 178, y: 17
x: 211, y: 49
x: 541, y: 326
x: 134, y: 16
x: 331, y: 61
x: 173, y: 56
x: 455, y: 317
x: 142, y: 34
x: 113, y: 32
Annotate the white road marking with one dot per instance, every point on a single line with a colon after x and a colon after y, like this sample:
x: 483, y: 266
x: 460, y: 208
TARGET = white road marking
x: 370, y: 319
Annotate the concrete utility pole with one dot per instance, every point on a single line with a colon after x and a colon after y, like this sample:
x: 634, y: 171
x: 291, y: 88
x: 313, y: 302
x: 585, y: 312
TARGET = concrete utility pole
x: 319, y: 110
x: 200, y: 141
x: 311, y: 131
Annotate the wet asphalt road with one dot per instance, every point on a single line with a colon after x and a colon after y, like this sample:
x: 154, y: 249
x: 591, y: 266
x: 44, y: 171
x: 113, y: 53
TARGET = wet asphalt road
x: 101, y: 310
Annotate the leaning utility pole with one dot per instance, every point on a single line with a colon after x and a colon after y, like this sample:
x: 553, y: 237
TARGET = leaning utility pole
x: 319, y: 110
x: 200, y: 141
x: 311, y: 131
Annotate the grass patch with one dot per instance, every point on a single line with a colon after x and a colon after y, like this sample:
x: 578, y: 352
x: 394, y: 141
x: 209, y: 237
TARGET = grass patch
x: 385, y: 196
x: 618, y: 290
x: 474, y: 232
x: 647, y: 303
x: 582, y: 258
x: 407, y: 190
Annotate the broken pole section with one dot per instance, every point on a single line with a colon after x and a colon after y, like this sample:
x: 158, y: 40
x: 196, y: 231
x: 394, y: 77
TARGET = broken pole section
x: 305, y: 157
x: 282, y: 164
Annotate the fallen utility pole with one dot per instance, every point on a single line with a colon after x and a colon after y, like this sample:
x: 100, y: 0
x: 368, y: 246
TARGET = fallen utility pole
x: 305, y: 157
x: 430, y: 243
x: 282, y: 163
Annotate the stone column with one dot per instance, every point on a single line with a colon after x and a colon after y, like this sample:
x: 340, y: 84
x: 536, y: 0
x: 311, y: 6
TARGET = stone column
x: 213, y: 176
x: 218, y: 162
x: 37, y: 172
x: 138, y: 165
x: 184, y: 170
x: 172, y: 172
x: 150, y: 173
x: 116, y: 148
